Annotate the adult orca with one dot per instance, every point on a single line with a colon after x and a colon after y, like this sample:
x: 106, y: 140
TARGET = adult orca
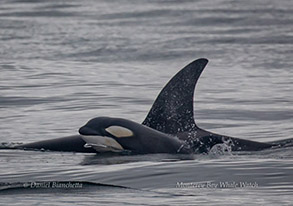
x: 169, y: 127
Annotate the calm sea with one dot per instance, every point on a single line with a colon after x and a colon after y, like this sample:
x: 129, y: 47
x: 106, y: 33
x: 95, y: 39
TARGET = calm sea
x: 64, y: 62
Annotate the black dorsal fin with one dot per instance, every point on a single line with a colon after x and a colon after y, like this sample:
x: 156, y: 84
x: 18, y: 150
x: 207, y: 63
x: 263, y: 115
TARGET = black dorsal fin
x: 172, y: 112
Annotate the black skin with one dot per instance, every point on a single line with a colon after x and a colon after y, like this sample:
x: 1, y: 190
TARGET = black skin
x: 144, y: 139
x: 72, y: 143
x: 168, y: 128
x: 148, y: 140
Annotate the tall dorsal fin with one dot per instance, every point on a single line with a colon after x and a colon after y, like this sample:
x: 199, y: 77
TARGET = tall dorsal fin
x: 172, y: 112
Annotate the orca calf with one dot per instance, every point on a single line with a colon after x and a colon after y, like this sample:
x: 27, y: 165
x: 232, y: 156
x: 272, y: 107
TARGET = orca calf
x: 168, y: 128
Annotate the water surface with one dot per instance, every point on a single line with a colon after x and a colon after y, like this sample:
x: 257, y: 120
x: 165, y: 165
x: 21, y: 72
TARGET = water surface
x: 65, y: 62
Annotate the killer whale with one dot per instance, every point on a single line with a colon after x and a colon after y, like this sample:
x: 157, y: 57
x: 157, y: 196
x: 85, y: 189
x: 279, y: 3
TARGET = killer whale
x: 118, y: 135
x: 169, y: 127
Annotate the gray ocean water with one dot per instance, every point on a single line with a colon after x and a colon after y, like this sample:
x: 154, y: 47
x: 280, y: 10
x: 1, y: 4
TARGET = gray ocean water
x: 65, y: 62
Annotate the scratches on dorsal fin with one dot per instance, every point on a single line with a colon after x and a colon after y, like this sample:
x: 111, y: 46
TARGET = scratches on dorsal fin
x: 172, y: 111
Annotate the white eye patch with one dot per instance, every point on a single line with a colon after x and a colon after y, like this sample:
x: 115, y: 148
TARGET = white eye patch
x: 119, y: 131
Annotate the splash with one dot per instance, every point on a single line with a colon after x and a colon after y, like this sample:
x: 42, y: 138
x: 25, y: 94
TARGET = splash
x: 190, y: 142
x: 9, y: 145
x: 224, y: 148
